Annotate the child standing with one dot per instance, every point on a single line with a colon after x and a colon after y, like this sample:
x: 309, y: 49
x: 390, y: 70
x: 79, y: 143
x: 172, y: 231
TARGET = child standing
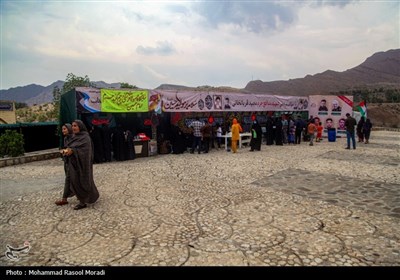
x: 311, y: 129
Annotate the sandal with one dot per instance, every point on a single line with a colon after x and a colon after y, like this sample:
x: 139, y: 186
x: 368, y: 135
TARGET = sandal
x: 61, y: 202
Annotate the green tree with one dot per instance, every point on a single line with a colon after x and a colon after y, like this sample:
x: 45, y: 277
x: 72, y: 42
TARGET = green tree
x: 70, y: 83
x: 126, y: 85
x: 42, y: 118
x: 11, y: 144
x: 56, y: 102
x: 73, y: 81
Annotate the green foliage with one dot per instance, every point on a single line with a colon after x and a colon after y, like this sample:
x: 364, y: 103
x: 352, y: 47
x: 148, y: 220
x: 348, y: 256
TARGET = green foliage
x: 11, y: 144
x: 73, y: 81
x: 56, y: 101
x: 42, y: 118
x: 126, y: 85
x: 70, y: 83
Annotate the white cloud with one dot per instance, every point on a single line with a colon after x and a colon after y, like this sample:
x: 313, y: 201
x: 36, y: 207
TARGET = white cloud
x: 161, y: 48
x: 190, y: 43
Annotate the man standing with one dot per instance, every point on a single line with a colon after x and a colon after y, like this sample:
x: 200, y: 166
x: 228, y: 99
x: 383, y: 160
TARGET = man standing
x: 206, y: 132
x: 196, y: 126
x: 350, y: 123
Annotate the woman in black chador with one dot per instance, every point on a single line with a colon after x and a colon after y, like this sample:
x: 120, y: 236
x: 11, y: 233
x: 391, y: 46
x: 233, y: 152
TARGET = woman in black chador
x: 130, y: 149
x: 107, y: 142
x: 98, y: 142
x: 80, y: 162
x: 278, y: 132
x: 270, y: 132
x: 256, y: 136
x: 119, y: 145
x: 178, y: 140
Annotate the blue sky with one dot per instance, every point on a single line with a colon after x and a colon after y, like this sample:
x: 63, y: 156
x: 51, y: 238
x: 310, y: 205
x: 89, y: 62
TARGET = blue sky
x: 192, y: 43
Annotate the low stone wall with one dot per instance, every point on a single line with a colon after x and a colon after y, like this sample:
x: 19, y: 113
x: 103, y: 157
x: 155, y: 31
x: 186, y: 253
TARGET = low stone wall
x: 29, y: 158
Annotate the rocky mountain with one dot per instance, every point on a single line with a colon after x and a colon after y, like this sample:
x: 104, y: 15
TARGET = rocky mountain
x: 21, y: 94
x: 36, y: 94
x: 46, y: 95
x: 381, y: 69
x: 199, y: 88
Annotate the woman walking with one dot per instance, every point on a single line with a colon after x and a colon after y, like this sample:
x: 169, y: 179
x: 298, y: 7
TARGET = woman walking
x: 80, y: 153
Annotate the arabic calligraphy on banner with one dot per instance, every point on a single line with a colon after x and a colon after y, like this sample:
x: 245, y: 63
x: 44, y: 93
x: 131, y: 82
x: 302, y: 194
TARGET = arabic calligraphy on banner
x: 189, y: 101
x: 124, y: 101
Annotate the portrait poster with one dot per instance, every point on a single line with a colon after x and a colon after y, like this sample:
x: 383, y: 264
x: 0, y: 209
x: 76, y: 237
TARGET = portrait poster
x: 331, y: 110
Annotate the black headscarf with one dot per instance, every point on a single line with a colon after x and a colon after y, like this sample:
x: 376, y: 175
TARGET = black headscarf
x: 67, y: 137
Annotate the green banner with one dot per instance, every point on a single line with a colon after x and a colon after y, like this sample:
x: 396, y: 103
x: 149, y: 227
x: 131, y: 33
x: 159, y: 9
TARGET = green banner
x: 124, y: 101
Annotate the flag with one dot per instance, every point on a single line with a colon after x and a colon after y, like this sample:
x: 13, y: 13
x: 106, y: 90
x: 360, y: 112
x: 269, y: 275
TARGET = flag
x: 362, y: 107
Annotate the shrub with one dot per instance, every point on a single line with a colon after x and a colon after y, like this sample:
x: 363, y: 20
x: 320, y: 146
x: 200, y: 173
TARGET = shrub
x: 11, y: 144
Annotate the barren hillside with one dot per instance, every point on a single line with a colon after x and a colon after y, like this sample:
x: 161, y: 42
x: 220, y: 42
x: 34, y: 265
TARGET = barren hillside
x: 382, y: 68
x: 384, y: 114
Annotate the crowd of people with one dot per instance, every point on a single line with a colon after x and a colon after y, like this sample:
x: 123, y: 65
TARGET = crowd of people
x: 80, y: 152
x: 201, y: 136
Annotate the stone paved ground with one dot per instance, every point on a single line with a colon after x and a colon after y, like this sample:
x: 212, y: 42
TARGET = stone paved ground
x: 283, y: 206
